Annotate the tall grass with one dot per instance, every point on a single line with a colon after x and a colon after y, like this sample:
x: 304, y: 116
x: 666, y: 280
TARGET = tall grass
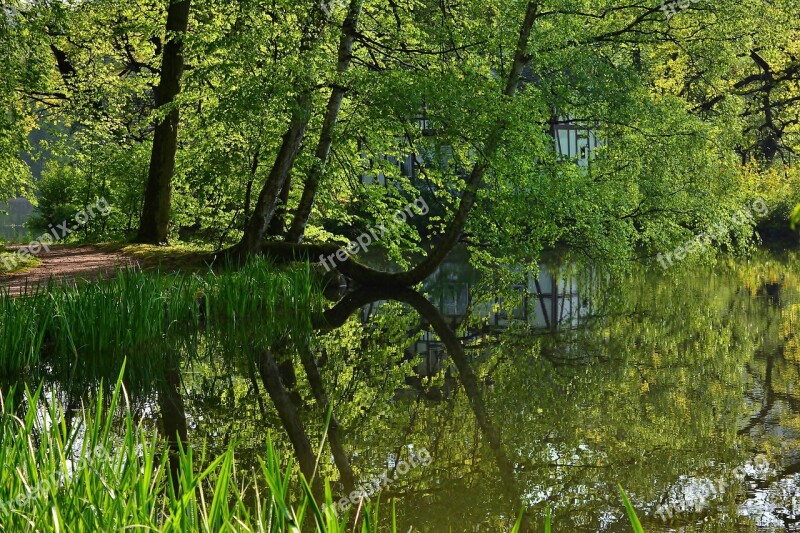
x: 23, y: 325
x: 106, y: 473
x: 141, y: 315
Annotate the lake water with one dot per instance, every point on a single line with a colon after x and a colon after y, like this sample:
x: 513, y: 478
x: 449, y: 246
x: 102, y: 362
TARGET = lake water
x: 12, y: 225
x: 682, y: 387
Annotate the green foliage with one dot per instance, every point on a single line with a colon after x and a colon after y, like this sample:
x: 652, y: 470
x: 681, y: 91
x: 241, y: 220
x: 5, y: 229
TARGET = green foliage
x: 794, y: 217
x: 665, y: 169
x: 676, y: 115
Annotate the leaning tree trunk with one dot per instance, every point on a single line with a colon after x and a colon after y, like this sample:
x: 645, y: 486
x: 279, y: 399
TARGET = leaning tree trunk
x: 268, y: 198
x: 154, y: 221
x: 259, y: 221
x: 369, y: 277
x: 277, y: 226
x: 349, y: 30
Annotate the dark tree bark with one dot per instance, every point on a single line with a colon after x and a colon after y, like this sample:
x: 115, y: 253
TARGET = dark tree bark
x: 248, y: 194
x: 302, y: 109
x: 759, y: 90
x: 349, y: 31
x: 277, y: 226
x: 290, y: 419
x: 340, y: 456
x: 267, y: 202
x: 252, y: 241
x: 154, y: 221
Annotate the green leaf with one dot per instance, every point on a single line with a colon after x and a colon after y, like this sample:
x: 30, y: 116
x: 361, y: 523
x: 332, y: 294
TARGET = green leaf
x: 637, y: 526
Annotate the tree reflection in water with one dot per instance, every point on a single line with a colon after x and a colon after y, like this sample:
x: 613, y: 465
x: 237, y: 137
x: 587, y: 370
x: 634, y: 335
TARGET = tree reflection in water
x: 547, y: 394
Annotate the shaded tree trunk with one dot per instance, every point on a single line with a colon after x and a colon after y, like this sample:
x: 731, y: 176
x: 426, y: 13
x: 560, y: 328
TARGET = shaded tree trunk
x: 277, y: 226
x: 248, y: 193
x: 154, y: 221
x: 267, y: 202
x: 340, y: 456
x: 290, y: 419
x: 252, y: 241
x: 349, y: 31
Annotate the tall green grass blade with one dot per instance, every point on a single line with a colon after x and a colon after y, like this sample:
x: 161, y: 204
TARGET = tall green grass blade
x: 637, y: 526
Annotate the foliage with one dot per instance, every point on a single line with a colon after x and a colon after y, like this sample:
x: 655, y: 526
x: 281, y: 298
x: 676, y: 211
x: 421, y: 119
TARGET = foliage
x: 679, y: 104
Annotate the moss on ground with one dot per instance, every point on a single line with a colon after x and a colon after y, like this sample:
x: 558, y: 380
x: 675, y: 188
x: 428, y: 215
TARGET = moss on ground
x: 12, y: 263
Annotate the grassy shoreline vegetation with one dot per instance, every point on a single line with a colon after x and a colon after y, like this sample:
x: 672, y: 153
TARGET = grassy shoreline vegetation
x: 105, y: 470
x: 135, y: 314
x: 20, y: 264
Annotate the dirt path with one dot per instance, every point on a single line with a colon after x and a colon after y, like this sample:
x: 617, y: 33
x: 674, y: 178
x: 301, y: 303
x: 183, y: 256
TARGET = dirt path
x: 66, y: 264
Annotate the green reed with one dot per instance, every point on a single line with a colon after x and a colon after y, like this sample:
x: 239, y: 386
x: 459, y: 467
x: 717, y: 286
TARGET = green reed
x: 105, y: 472
x: 141, y: 314
x: 23, y: 324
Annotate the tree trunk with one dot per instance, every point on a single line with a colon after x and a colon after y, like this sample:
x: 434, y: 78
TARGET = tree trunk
x: 268, y: 199
x: 252, y: 242
x: 290, y: 419
x: 369, y: 277
x: 154, y: 221
x: 248, y: 193
x: 303, y: 107
x: 277, y: 226
x: 475, y: 180
x: 349, y: 30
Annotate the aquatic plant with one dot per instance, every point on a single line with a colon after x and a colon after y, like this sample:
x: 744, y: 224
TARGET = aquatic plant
x: 105, y: 472
x: 140, y: 315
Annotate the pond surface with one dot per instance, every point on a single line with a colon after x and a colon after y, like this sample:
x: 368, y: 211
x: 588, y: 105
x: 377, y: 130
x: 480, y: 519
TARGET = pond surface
x: 13, y: 217
x: 682, y: 387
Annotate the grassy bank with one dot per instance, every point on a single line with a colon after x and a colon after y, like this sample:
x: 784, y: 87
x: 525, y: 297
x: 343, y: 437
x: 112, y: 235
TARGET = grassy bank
x: 16, y: 263
x: 139, y: 314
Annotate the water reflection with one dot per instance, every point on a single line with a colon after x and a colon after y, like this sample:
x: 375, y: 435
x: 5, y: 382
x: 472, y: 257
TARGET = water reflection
x: 546, y: 394
x: 652, y: 385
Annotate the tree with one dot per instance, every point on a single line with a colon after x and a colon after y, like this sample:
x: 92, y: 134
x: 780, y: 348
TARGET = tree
x: 322, y: 153
x: 22, y: 64
x: 154, y: 222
